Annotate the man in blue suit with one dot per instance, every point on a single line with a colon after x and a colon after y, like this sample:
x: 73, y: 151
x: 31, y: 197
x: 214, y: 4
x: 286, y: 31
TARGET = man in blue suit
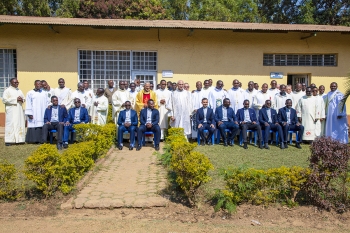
x: 149, y: 121
x: 76, y: 115
x: 54, y: 118
x: 127, y: 121
x: 226, y: 119
x: 247, y: 120
x: 269, y: 121
x: 287, y: 117
x: 205, y: 121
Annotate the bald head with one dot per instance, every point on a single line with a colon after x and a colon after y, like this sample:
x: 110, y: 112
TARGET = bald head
x: 180, y: 85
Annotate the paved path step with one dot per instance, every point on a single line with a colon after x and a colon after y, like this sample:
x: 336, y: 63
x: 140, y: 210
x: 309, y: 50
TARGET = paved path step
x: 125, y: 179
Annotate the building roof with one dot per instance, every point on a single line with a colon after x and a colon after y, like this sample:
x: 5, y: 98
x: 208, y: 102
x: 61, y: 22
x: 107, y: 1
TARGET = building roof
x: 171, y: 24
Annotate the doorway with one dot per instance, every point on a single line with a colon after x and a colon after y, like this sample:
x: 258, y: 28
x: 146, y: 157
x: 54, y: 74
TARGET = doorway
x: 293, y: 79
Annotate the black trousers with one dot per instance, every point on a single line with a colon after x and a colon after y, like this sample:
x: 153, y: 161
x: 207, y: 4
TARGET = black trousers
x: 56, y: 126
x: 206, y: 126
x: 299, y: 129
x: 274, y: 128
x: 251, y: 126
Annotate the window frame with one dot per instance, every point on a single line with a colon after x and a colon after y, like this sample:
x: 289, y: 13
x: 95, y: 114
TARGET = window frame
x: 301, y: 59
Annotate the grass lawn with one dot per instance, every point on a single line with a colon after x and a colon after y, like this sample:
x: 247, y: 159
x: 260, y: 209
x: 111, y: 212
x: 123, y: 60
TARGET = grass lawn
x: 224, y: 157
x: 17, y: 154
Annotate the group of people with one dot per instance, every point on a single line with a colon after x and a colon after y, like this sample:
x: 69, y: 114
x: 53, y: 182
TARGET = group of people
x: 138, y: 108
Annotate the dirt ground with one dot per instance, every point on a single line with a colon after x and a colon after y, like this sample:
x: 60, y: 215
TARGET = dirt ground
x: 46, y: 216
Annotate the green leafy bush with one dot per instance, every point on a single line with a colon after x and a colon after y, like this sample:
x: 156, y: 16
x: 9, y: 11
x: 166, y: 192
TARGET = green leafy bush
x: 8, y: 176
x: 260, y: 186
x: 175, y: 135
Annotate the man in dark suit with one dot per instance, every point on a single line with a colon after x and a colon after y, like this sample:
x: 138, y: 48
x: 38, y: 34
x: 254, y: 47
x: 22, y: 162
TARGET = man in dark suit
x: 226, y: 119
x: 149, y: 121
x: 287, y: 117
x: 54, y: 118
x: 269, y: 121
x: 205, y: 121
x: 127, y: 121
x: 76, y: 115
x: 247, y: 119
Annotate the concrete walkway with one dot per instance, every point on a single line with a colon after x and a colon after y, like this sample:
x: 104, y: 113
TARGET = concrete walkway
x: 125, y: 179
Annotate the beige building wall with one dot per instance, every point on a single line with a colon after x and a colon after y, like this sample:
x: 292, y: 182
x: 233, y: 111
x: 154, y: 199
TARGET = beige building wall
x: 203, y: 54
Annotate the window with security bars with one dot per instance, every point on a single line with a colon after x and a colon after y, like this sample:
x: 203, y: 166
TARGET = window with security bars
x: 98, y: 67
x: 8, y: 68
x: 300, y: 60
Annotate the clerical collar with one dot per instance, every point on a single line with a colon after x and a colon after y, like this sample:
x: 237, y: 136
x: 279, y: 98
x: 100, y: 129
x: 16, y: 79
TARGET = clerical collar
x: 37, y: 90
x: 235, y: 88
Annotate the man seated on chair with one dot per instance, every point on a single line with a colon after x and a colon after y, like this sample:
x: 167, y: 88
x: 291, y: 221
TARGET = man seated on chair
x: 205, y: 121
x: 247, y: 120
x: 226, y: 119
x: 149, y: 121
x: 127, y: 121
x: 76, y: 115
x: 287, y: 117
x: 269, y: 121
x: 54, y: 119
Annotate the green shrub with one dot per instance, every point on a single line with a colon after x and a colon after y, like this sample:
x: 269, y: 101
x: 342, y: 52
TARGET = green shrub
x: 109, y: 116
x: 175, y: 135
x: 43, y: 168
x: 8, y: 176
x: 261, y: 186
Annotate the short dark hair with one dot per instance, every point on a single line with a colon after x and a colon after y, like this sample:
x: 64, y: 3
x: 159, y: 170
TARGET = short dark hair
x: 150, y: 100
x: 204, y: 99
x: 53, y: 97
x: 226, y: 99
x: 12, y: 79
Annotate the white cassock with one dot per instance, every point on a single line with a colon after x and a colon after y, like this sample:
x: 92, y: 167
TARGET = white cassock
x: 296, y: 97
x: 48, y: 94
x: 320, y: 113
x: 259, y: 100
x: 307, y: 110
x: 336, y: 128
x: 99, y: 113
x: 36, y: 103
x: 84, y: 98
x: 181, y: 109
x: 280, y: 101
x: 118, y: 99
x: 64, y: 96
x: 249, y: 96
x: 133, y: 95
x: 163, y: 109
x: 323, y: 123
x: 273, y: 92
x: 90, y: 92
x: 206, y: 92
x: 216, y: 98
x: 197, y: 97
x: 15, y: 121
x: 237, y: 97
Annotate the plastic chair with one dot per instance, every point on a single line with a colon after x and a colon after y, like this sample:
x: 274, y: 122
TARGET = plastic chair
x: 290, y: 133
x: 276, y: 136
x: 51, y: 135
x: 250, y: 141
x: 143, y: 137
x: 218, y: 135
x: 199, y: 138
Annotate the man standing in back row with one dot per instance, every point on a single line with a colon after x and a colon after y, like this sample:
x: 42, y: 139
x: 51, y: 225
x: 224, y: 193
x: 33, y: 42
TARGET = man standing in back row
x: 63, y: 94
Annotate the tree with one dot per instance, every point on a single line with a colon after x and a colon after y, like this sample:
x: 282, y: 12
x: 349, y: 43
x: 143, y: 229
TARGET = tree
x: 8, y: 7
x: 35, y: 8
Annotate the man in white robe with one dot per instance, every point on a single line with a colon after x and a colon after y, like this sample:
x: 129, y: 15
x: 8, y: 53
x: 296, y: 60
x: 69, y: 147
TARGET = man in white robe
x: 133, y: 93
x: 274, y: 91
x: 217, y: 95
x: 99, y: 108
x: 87, y: 88
x: 336, y: 118
x: 297, y: 94
x: 48, y: 90
x: 321, y: 93
x: 36, y: 103
x: 206, y: 89
x: 197, y: 97
x: 118, y: 100
x: 181, y: 108
x: 320, y: 115
x: 81, y: 94
x: 63, y: 94
x: 307, y: 114
x: 163, y: 97
x: 13, y: 99
x: 237, y: 96
x: 280, y: 98
x: 250, y: 93
x: 260, y: 98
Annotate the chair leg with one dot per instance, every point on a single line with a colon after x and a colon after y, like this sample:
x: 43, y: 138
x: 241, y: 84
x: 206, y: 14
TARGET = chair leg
x: 213, y: 138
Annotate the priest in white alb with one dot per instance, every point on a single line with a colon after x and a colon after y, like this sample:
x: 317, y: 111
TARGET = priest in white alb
x: 36, y: 103
x: 217, y: 95
x: 181, y: 108
x: 297, y: 94
x: 118, y: 100
x: 307, y: 114
x: 99, y: 108
x: 63, y: 94
x: 82, y: 95
x: 336, y: 118
x: 237, y: 96
x: 13, y: 99
x: 320, y: 114
x: 250, y: 92
x: 280, y: 98
x: 260, y: 98
x: 206, y: 89
x: 163, y: 97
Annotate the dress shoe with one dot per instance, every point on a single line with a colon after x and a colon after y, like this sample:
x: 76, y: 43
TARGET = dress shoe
x: 203, y: 143
x: 209, y: 142
x: 267, y: 146
x: 131, y: 147
x: 282, y: 145
x: 138, y: 147
x: 298, y: 145
x: 120, y: 147
x: 260, y: 145
x: 285, y: 145
x: 59, y: 146
x: 230, y: 143
x: 65, y: 145
x: 245, y: 145
x: 157, y: 147
x: 225, y: 143
x: 7, y: 144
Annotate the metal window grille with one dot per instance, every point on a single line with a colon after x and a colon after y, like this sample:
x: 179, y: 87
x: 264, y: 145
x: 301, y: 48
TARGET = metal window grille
x: 8, y: 68
x: 300, y: 60
x: 98, y: 67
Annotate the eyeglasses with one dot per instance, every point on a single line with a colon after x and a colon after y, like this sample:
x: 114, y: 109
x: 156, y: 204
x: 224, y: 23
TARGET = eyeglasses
x: 76, y: 102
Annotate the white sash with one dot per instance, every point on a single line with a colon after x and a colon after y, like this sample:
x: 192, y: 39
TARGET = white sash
x: 63, y: 95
